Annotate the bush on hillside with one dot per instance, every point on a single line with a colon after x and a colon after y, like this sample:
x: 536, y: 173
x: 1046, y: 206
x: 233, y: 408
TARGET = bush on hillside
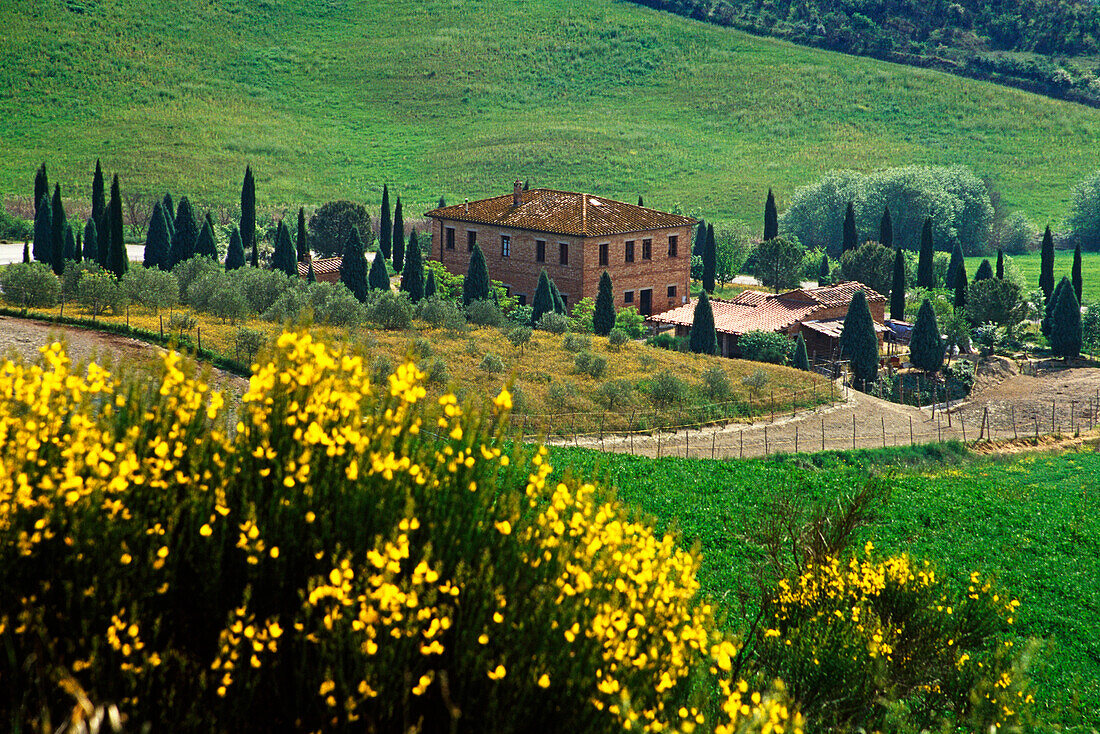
x: 484, y: 313
x: 98, y: 293
x: 1017, y: 235
x: 390, y: 310
x: 150, y: 287
x: 13, y: 228
x: 616, y: 339
x: 30, y: 285
x: 555, y: 323
x: 195, y: 268
x: 438, y: 313
x: 666, y: 340
x: 765, y: 346
x: 666, y: 389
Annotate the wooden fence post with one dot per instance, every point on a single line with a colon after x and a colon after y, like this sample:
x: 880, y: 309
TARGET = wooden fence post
x: 765, y: 439
x: 1015, y: 435
x: 883, y: 419
x: 910, y: 430
x: 713, y: 439
x: 822, y: 434
x: 1053, y: 403
x: 962, y: 422
x: 853, y: 431
x: 742, y: 432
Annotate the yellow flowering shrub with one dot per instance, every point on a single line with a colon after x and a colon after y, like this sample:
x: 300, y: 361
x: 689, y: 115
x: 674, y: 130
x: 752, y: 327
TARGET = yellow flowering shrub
x: 334, y: 554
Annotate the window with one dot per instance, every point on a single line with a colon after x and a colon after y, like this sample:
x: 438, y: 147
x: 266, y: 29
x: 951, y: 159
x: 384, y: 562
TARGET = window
x: 673, y: 245
x: 471, y: 240
x: 603, y: 253
x: 647, y: 249
x: 563, y: 252
x: 505, y: 245
x: 450, y: 238
x: 672, y: 291
x: 630, y: 251
x: 540, y: 251
x: 628, y: 297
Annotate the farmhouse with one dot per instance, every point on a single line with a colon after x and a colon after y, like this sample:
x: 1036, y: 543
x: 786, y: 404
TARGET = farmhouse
x: 575, y: 237
x: 325, y: 269
x: 817, y: 313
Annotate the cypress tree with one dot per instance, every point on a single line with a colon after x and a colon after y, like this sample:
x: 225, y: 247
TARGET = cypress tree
x: 205, y: 244
x: 710, y: 261
x: 78, y: 253
x: 475, y: 286
x: 412, y: 276
x: 953, y: 266
x: 302, y: 245
x: 925, y: 343
x: 897, y: 287
x: 99, y: 201
x: 169, y: 211
x: 703, y: 339
x: 58, y: 222
x: 385, y: 228
x: 186, y: 234
x: 311, y: 277
x: 851, y: 237
x: 543, y: 302
x: 886, y: 229
x: 771, y: 218
x: 234, y: 256
x: 248, y: 213
x: 1048, y: 312
x: 559, y: 302
x: 254, y: 258
x: 1046, y: 264
x: 925, y: 258
x: 398, y: 237
x: 379, y: 279
x: 1000, y: 264
x: 858, y: 342
x: 823, y: 270
x: 527, y: 185
x: 91, y: 242
x: 284, y: 258
x: 1065, y: 331
x: 70, y: 244
x: 353, y: 266
x: 429, y: 284
x: 26, y: 251
x: 157, y: 240
x: 960, y: 287
x: 1078, y: 282
x: 43, y: 231
x: 118, y: 262
x: 800, y: 360
x: 41, y: 189
x: 442, y: 202
x: 603, y: 318
x: 699, y: 242
x: 985, y: 271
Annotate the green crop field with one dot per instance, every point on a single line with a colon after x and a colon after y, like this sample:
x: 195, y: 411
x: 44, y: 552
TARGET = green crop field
x: 459, y: 97
x: 1063, y: 263
x: 1031, y: 520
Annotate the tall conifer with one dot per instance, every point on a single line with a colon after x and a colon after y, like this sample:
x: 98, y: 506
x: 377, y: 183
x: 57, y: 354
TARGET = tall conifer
x: 1046, y: 264
x: 1065, y: 330
x: 543, y: 302
x: 926, y: 257
x: 58, y: 222
x: 710, y: 261
x: 559, y: 302
x: 897, y: 287
x: 412, y: 275
x: 823, y: 270
x: 302, y: 245
x: 311, y: 277
x: 379, y: 279
x: 1000, y: 264
x: 851, y: 237
x: 205, y: 244
x: 1048, y: 311
x: 385, y: 227
x: 429, y: 284
x: 234, y: 256
x: 118, y: 262
x: 353, y: 266
x: 398, y: 237
x: 703, y: 339
x: 158, y: 242
x: 99, y: 199
x: 953, y: 266
x: 603, y: 318
x: 187, y: 233
x: 90, y: 250
x: 771, y: 218
x: 70, y: 245
x: 984, y: 272
x: 858, y: 342
x: 801, y: 359
x: 26, y: 251
x: 43, y: 231
x: 960, y: 287
x: 248, y: 211
x: 925, y: 343
x: 41, y: 189
x: 886, y: 229
x: 475, y: 286
x: 1078, y: 281
x: 284, y: 258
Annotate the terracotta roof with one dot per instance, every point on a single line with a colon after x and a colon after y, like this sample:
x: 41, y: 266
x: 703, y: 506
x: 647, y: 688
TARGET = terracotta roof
x: 321, y: 266
x: 833, y: 327
x: 562, y: 212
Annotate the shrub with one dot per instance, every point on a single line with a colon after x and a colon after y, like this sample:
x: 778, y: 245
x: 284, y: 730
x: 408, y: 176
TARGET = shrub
x: 287, y: 308
x: 576, y: 342
x: 617, y: 338
x: 14, y: 228
x: 74, y: 271
x: 181, y: 322
x: 614, y: 393
x: 229, y: 303
x: 756, y: 380
x: 519, y: 336
x: 150, y: 287
x: 716, y: 385
x: 555, y: 323
x: 985, y: 336
x: 1017, y: 234
x: 98, y: 292
x: 390, y: 310
x: 581, y: 318
x: 667, y: 389
x: 484, y: 313
x: 521, y: 315
x: 334, y: 304
x: 248, y: 343
x: 437, y: 372
x: 1090, y: 328
x: 667, y: 340
x: 765, y: 346
x: 870, y: 264
x: 629, y: 320
x: 439, y: 313
x: 331, y: 225
x: 421, y: 348
x: 193, y: 269
x: 30, y: 285
x: 262, y: 287
x: 590, y: 364
x: 491, y: 363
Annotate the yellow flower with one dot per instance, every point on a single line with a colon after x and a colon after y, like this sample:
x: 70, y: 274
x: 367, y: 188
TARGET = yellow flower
x: 504, y: 527
x: 205, y: 531
x: 544, y: 681
x: 504, y: 400
x: 497, y: 673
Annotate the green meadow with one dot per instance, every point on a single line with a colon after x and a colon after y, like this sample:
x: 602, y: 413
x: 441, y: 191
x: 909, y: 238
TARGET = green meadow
x: 459, y: 97
x: 1031, y: 520
x: 1063, y: 264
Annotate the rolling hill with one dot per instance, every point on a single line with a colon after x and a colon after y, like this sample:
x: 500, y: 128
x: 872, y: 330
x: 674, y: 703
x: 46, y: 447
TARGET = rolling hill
x: 457, y: 98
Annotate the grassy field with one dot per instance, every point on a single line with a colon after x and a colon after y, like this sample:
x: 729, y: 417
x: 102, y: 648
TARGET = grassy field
x: 1063, y: 263
x: 1028, y: 519
x: 458, y: 98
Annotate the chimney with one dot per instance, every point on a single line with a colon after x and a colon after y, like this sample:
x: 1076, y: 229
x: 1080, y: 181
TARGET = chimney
x: 467, y: 206
x: 517, y: 193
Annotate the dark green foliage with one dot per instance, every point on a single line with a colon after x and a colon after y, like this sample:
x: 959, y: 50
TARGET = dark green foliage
x: 1046, y: 264
x: 90, y: 249
x: 925, y: 257
x: 429, y: 284
x: 800, y: 360
x: 99, y: 199
x: 157, y: 240
x: 331, y: 225
x: 398, y: 236
x: 442, y: 202
x: 985, y: 271
x: 254, y: 258
x: 823, y: 270
x: 169, y: 211
x: 385, y: 234
x: 58, y: 222
x: 186, y: 235
x: 527, y: 185
x: 311, y: 277
x: 205, y: 244
x: 284, y: 258
x: 1075, y: 274
x: 897, y: 287
x: 70, y: 243
x: 117, y: 260
x: 41, y: 189
x: 43, y: 232
x: 699, y: 242
x: 779, y: 263
x: 248, y: 213
x: 379, y: 279
x: 886, y: 229
x: 994, y: 300
x: 302, y: 245
x: 1065, y: 331
x: 953, y: 267
x: 559, y: 302
x: 78, y: 252
x: 475, y: 286
x: 603, y: 318
x: 710, y: 260
x: 353, y: 267
x: 26, y: 252
x: 1000, y: 264
x: 870, y: 264
x: 765, y: 346
x: 543, y: 301
x: 771, y: 218
x: 412, y: 275
x: 851, y: 237
x: 14, y: 228
x: 234, y: 256
x: 1048, y: 312
x: 703, y: 337
x: 925, y: 343
x: 858, y: 342
x: 960, y: 287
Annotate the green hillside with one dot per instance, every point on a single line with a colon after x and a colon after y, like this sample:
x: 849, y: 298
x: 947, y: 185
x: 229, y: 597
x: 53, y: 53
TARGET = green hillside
x: 330, y: 99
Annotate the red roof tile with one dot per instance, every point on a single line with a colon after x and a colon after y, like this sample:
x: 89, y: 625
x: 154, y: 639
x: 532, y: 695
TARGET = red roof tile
x: 562, y: 212
x: 321, y: 266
